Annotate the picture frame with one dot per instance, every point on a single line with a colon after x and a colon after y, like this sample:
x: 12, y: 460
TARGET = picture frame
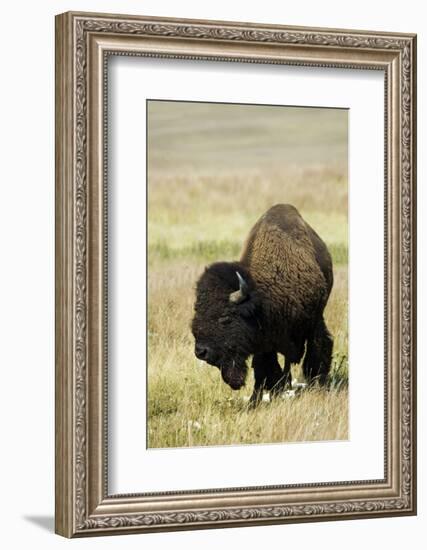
x: 84, y: 506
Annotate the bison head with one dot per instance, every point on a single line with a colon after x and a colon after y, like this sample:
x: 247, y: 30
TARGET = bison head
x: 226, y: 322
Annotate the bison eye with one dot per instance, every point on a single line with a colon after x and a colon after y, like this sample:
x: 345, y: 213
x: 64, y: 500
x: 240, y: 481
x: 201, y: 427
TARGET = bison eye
x: 224, y: 320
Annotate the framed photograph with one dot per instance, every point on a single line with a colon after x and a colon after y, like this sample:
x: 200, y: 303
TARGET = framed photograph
x: 235, y: 274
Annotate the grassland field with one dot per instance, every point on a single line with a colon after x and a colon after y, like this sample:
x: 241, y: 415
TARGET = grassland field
x: 212, y: 172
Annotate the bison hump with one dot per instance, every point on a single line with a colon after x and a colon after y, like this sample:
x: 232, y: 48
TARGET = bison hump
x: 282, y: 257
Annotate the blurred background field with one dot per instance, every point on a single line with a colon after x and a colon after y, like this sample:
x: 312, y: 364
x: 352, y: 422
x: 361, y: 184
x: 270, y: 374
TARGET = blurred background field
x: 213, y: 170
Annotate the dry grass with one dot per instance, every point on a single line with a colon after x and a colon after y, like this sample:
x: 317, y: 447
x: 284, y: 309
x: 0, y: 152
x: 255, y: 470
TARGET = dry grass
x: 224, y: 419
x: 200, y: 214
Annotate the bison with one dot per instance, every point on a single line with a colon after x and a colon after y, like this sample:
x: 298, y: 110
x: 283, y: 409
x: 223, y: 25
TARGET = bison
x: 271, y: 301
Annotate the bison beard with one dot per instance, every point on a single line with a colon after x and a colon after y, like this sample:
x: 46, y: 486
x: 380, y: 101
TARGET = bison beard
x: 269, y: 302
x: 234, y: 375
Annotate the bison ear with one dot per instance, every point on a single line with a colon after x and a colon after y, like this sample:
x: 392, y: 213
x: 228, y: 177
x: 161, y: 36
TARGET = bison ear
x: 242, y: 294
x: 251, y: 307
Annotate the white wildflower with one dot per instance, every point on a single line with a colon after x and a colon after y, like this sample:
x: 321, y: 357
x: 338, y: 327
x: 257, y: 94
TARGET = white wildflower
x: 194, y: 424
x: 288, y: 394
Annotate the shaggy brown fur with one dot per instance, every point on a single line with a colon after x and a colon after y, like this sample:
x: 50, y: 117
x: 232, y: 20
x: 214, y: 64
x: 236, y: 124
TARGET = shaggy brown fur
x: 287, y: 278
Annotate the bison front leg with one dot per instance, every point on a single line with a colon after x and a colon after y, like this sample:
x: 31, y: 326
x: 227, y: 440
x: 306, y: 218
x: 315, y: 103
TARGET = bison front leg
x: 285, y: 380
x: 318, y: 357
x: 267, y: 373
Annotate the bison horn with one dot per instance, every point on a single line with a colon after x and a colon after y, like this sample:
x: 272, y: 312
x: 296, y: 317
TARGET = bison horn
x: 241, y: 294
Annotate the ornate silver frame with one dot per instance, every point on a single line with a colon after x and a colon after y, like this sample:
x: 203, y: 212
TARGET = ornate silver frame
x: 83, y: 505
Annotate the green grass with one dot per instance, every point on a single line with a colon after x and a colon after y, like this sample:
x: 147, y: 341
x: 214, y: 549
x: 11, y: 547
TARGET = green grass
x: 210, y: 251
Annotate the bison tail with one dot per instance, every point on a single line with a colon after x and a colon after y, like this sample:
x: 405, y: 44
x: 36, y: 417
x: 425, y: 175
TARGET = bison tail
x: 318, y: 356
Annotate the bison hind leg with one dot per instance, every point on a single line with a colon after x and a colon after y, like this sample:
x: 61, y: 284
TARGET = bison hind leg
x: 318, y: 356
